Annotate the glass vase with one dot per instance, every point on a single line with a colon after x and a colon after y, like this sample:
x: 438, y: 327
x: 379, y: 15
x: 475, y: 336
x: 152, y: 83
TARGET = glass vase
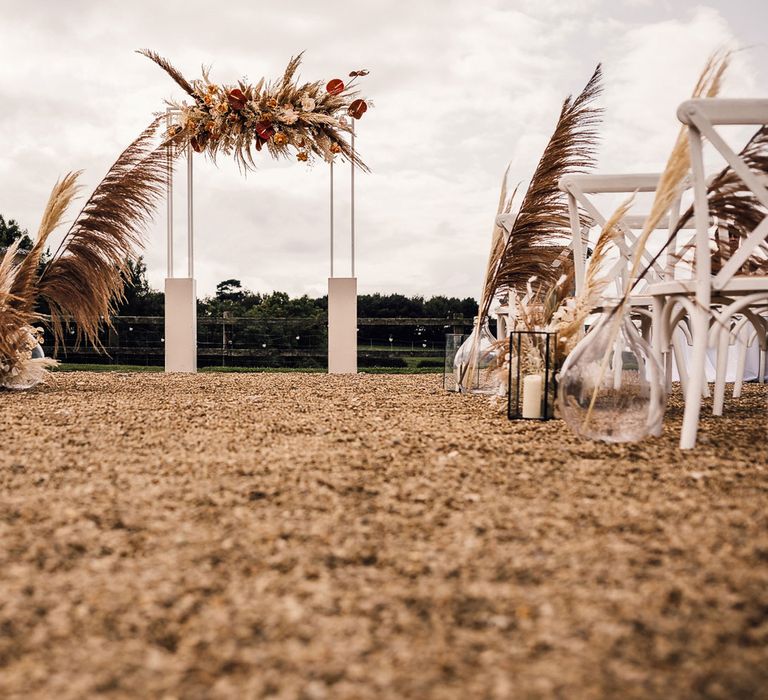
x: 27, y: 370
x: 611, y: 387
x: 478, y: 362
x: 453, y: 343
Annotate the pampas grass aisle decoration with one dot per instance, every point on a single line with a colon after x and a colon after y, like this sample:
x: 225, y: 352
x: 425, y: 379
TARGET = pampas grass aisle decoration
x: 669, y: 188
x: 541, y: 227
x: 85, y: 276
x: 467, y: 362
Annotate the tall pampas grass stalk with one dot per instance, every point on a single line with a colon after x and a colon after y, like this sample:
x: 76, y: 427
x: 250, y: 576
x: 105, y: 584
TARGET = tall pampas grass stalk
x: 84, y: 279
x: 568, y: 321
x: 467, y: 373
x: 542, y: 225
x: 679, y: 162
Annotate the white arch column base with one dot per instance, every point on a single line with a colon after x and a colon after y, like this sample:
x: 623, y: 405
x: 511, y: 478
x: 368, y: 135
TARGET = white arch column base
x: 342, y: 325
x: 180, y: 324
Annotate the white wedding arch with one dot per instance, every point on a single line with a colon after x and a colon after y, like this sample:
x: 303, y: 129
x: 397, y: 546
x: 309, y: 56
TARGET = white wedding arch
x: 181, y: 292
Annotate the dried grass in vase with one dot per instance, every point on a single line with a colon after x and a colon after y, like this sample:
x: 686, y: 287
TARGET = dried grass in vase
x: 537, y: 243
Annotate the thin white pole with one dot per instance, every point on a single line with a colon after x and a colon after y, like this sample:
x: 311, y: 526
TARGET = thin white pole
x: 352, y: 209
x: 190, y: 221
x: 331, y: 218
x: 169, y: 190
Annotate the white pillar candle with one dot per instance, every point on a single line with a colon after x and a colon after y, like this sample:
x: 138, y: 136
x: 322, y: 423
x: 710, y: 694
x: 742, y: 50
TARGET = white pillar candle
x: 532, y: 388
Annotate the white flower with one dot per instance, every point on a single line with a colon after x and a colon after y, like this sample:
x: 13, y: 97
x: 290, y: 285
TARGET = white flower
x: 288, y: 116
x: 307, y: 103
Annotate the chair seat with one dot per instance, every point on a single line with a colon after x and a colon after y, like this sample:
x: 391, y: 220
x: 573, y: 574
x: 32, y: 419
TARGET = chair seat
x: 735, y: 286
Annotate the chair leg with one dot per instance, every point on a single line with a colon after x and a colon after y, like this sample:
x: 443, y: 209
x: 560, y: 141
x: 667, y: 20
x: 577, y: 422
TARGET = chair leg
x: 696, y: 379
x: 741, y: 361
x: 720, y: 371
x: 618, y: 363
x: 682, y: 369
x: 657, y: 334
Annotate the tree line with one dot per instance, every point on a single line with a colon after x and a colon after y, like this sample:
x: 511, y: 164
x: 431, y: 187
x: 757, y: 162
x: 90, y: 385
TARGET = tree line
x: 233, y: 300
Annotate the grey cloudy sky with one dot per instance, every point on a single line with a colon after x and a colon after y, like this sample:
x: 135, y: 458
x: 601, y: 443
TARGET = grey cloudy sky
x: 460, y: 88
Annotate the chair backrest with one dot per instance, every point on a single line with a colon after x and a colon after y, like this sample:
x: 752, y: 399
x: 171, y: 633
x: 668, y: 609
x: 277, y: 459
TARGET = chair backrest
x: 581, y: 191
x: 704, y: 117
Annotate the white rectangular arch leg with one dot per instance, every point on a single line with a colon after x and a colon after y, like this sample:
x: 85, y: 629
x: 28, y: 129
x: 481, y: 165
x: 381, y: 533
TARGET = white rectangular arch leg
x: 342, y: 325
x: 180, y: 324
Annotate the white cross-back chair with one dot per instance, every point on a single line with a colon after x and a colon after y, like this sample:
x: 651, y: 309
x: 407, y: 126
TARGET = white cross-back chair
x: 583, y: 193
x: 715, y: 302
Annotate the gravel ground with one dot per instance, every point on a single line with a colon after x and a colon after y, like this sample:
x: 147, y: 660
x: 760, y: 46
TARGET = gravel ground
x: 307, y: 536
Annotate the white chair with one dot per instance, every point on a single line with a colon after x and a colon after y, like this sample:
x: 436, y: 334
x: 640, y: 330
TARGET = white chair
x: 714, y: 302
x: 583, y: 192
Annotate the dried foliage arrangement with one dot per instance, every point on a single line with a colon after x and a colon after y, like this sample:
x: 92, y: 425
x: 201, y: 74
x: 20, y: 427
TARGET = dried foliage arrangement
x: 542, y: 225
x: 668, y: 190
x: 534, y: 250
x: 735, y: 209
x: 284, y: 116
x: 679, y: 162
x: 84, y: 278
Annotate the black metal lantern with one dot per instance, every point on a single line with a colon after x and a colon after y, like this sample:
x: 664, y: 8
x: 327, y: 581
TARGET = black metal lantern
x: 532, y: 375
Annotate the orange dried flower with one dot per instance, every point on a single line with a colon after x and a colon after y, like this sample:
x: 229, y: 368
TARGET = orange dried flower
x: 303, y: 156
x: 280, y: 139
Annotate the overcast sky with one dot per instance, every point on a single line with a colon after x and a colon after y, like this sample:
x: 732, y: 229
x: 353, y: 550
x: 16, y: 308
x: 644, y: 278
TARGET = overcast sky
x: 461, y: 89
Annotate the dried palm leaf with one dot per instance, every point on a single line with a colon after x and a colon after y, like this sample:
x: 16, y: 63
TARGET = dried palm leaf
x: 736, y: 209
x: 84, y: 278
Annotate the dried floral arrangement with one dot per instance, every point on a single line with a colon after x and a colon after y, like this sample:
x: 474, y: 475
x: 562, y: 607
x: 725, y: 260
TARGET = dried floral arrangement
x: 669, y: 189
x: 84, y: 278
x: 285, y: 116
x: 535, y: 250
x: 541, y: 226
x: 730, y: 202
x: 726, y: 196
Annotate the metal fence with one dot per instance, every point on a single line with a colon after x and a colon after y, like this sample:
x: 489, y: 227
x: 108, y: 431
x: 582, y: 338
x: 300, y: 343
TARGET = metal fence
x: 269, y: 342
